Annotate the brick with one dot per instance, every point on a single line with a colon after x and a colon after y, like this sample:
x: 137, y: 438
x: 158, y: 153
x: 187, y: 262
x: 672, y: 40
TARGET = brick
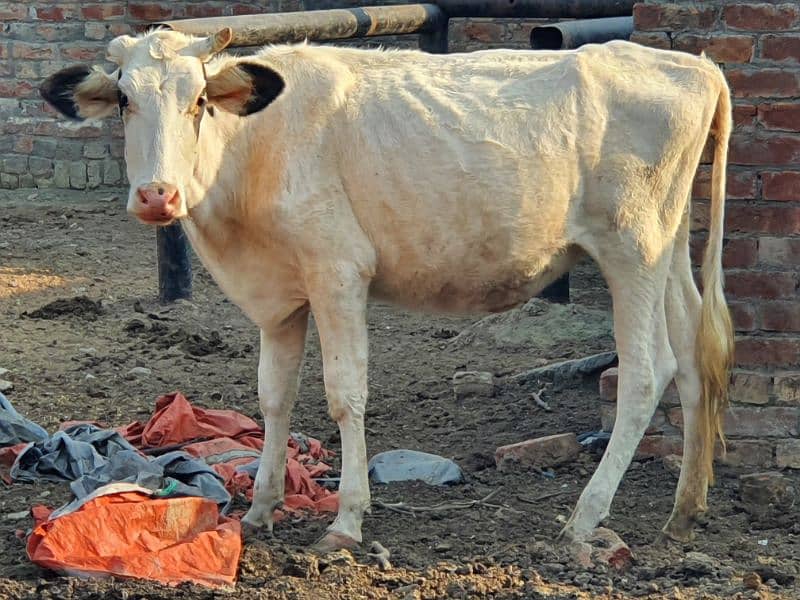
x: 762, y: 421
x: 149, y: 11
x: 103, y: 12
x: 94, y: 174
x: 720, y: 48
x: 9, y: 181
x: 775, y: 251
x: 242, y: 9
x: 61, y: 12
x: 40, y: 166
x: 77, y: 175
x: 482, y: 31
x: 608, y: 384
x: 546, y: 451
x: 15, y: 164
x: 23, y: 144
x: 744, y: 115
x: 203, y: 10
x: 762, y: 219
x: 743, y: 315
x: 95, y: 150
x: 766, y: 351
x: 787, y: 454
x: 659, y: 445
x: 468, y: 385
x: 782, y: 116
x: 780, y: 316
x: 100, y: 31
x: 739, y: 185
x: 61, y: 174
x: 760, y: 284
x: 44, y: 147
x: 26, y: 180
x: 782, y: 186
x: 787, y: 388
x: 654, y: 39
x: 750, y: 388
x: 747, y: 453
x: 32, y: 51
x: 84, y: 52
x: 672, y: 17
x: 28, y: 69
x: 608, y: 388
x: 12, y: 88
x: 738, y: 253
x: 781, y: 48
x: 69, y: 150
x: 765, y: 149
x: 760, y: 17
x: 765, y: 82
x: 59, y: 32
x: 658, y: 423
x: 112, y: 174
x: 13, y: 11
x: 6, y: 68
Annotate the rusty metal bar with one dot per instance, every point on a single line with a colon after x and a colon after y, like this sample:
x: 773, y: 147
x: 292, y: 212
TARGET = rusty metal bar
x: 536, y: 9
x: 573, y: 34
x: 320, y: 25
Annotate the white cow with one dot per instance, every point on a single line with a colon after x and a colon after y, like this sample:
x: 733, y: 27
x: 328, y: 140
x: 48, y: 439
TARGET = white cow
x: 311, y: 178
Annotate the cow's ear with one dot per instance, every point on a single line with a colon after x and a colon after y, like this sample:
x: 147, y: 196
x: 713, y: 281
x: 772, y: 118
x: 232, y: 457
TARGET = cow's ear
x: 244, y: 88
x: 81, y: 92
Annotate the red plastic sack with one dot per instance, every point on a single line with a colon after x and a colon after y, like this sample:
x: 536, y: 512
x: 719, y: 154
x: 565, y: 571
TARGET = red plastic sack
x: 129, y: 534
x: 176, y: 421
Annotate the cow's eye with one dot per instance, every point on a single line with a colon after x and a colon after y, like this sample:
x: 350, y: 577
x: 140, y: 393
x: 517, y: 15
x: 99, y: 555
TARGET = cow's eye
x: 201, y: 101
x: 123, y: 101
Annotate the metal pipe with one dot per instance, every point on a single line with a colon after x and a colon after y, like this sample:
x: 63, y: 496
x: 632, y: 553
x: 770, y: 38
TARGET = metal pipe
x: 573, y: 34
x: 537, y: 9
x: 260, y: 29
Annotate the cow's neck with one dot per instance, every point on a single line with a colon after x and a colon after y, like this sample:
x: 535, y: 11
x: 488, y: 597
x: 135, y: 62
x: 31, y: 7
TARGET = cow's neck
x: 232, y: 187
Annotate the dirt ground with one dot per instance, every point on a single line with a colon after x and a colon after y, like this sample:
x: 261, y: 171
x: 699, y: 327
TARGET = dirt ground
x: 73, y: 364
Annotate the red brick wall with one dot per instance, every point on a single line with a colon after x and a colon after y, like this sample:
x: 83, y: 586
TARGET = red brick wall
x: 40, y: 37
x: 758, y: 46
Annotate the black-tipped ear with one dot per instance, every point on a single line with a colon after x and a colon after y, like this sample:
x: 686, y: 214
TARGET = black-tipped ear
x: 267, y: 85
x: 244, y: 88
x: 59, y: 89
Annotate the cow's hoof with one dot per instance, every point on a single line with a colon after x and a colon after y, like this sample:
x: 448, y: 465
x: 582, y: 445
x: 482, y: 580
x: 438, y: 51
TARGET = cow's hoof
x: 602, y: 547
x: 257, y: 518
x: 332, y: 541
x: 680, y: 528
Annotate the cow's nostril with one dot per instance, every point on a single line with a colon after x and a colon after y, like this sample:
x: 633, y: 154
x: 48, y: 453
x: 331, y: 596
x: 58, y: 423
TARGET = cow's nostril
x: 160, y: 191
x: 143, y: 199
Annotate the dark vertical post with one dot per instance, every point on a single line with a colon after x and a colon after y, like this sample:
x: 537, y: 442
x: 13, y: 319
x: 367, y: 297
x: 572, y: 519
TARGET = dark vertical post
x: 434, y: 42
x: 434, y: 38
x: 558, y: 291
x: 174, y: 264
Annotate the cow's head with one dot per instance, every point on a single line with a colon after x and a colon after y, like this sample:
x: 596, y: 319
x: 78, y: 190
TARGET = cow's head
x: 164, y: 89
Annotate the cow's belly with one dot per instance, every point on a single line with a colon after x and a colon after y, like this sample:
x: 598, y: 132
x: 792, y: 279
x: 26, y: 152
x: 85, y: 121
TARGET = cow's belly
x: 472, y: 286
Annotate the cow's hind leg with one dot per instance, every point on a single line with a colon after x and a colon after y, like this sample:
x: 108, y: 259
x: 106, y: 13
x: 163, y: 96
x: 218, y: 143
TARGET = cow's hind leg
x: 278, y: 371
x: 646, y: 366
x: 683, y: 306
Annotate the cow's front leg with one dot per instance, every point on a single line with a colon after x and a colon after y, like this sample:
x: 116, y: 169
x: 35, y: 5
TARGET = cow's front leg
x: 278, y: 373
x: 340, y: 313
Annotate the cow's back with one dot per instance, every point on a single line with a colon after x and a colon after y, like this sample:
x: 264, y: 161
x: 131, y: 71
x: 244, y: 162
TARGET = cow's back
x: 469, y: 172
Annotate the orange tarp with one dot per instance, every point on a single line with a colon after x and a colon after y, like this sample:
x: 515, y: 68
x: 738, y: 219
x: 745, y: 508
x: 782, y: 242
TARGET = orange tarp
x: 129, y: 534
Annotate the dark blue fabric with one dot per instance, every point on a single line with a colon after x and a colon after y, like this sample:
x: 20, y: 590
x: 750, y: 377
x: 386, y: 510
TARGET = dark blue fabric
x: 16, y: 429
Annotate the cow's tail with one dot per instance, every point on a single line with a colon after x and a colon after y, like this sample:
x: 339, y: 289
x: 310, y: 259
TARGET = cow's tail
x: 715, y: 343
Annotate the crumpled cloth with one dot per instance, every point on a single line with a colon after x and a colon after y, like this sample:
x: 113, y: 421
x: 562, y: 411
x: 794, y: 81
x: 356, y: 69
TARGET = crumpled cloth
x: 16, y: 429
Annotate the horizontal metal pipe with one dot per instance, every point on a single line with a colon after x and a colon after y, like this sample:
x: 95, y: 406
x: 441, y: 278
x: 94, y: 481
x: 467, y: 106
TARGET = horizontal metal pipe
x: 573, y: 34
x: 337, y: 24
x: 537, y: 9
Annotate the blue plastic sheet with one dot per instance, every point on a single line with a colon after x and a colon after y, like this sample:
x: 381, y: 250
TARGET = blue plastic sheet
x: 408, y: 465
